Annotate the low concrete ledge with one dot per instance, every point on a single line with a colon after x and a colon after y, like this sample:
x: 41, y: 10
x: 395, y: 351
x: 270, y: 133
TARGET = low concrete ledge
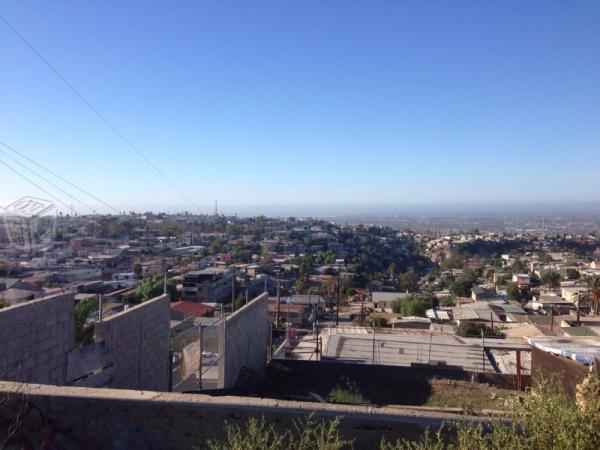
x: 113, y: 418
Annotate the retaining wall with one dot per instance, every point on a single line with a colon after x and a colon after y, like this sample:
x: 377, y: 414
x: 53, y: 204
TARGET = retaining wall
x: 76, y: 418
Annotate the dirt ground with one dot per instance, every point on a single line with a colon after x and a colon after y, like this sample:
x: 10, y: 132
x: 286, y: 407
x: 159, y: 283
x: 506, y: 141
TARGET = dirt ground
x: 468, y: 396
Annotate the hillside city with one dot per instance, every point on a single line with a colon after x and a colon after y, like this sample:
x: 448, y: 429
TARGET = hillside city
x: 472, y: 301
x: 307, y: 225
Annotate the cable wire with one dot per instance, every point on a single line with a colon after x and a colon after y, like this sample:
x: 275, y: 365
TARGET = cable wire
x: 98, y: 113
x: 59, y: 177
x: 69, y: 208
x: 47, y: 181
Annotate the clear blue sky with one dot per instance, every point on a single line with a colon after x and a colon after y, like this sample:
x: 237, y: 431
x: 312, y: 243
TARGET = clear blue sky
x: 307, y: 102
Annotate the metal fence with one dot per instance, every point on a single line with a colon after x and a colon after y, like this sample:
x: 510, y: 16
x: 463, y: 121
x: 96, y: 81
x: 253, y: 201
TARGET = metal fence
x: 196, y: 357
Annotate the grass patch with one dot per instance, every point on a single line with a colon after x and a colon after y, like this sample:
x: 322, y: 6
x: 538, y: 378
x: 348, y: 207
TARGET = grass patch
x: 348, y: 395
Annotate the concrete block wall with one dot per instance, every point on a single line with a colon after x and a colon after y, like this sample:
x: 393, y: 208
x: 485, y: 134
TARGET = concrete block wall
x: 123, y: 419
x: 139, y: 341
x: 35, y: 338
x: 243, y: 341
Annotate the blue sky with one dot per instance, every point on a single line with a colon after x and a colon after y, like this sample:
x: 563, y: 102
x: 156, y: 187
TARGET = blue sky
x: 307, y: 102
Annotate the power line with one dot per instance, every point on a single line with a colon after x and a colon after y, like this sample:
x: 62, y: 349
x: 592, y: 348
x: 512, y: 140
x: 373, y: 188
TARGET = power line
x: 99, y: 114
x: 47, y: 181
x: 58, y: 176
x: 37, y: 185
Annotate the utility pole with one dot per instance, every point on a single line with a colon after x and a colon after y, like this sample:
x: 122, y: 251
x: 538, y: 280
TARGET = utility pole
x: 201, y: 344
x: 278, y: 304
x: 362, y: 308
x: 171, y: 362
x: 317, y: 339
x: 246, y: 296
x: 337, y: 310
x: 482, y: 351
x: 373, y: 344
x: 100, y: 312
x: 430, y: 342
x: 232, y: 291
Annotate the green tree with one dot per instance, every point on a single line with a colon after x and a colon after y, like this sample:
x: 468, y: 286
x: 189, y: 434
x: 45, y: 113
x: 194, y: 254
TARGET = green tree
x: 534, y: 278
x: 551, y: 278
x: 392, y: 269
x: 84, y: 331
x: 593, y: 292
x: 413, y: 307
x: 138, y: 270
x: 461, y: 287
x: 518, y: 267
x: 302, y: 284
x: 416, y: 306
x: 151, y: 287
x: 408, y: 281
x: 513, y: 291
x: 573, y: 274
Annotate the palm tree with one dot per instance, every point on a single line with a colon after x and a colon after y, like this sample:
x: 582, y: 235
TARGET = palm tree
x: 593, y: 292
x: 392, y: 270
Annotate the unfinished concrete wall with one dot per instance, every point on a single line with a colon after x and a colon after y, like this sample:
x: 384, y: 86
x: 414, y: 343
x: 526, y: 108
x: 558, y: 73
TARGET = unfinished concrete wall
x: 35, y: 338
x: 138, y: 341
x: 243, y: 341
x: 75, y: 418
x: 131, y: 349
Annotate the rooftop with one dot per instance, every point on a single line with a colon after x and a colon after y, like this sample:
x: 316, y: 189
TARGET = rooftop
x: 192, y: 308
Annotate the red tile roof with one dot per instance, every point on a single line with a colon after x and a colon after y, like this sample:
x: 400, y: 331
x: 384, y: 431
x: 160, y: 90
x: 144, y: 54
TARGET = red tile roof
x: 192, y: 308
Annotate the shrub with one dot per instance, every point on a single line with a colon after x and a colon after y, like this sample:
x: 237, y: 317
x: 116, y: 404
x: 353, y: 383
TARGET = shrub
x: 546, y: 419
x: 348, y: 395
x: 473, y: 329
x: 306, y: 434
x: 447, y: 301
x: 84, y: 332
x: 377, y: 322
x: 414, y: 305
